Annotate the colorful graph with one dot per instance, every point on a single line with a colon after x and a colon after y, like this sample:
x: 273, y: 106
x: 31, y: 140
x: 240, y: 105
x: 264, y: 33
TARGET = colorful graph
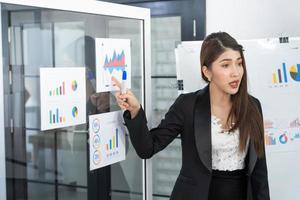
x: 96, y: 157
x: 270, y: 140
x: 74, y: 85
x: 295, y: 72
x: 113, y: 143
x: 55, y: 117
x: 280, y: 76
x: 283, y: 139
x: 96, y: 141
x: 107, y: 137
x: 96, y: 125
x: 58, y: 91
x: 75, y: 112
x: 117, y: 62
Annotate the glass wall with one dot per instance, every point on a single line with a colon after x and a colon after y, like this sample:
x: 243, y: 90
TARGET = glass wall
x: 165, y: 33
x: 54, y: 164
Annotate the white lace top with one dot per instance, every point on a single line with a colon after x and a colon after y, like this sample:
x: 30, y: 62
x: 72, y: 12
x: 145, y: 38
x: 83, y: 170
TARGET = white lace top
x: 226, y: 155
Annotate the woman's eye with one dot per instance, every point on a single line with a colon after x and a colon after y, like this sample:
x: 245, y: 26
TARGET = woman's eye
x: 225, y: 65
x: 240, y: 64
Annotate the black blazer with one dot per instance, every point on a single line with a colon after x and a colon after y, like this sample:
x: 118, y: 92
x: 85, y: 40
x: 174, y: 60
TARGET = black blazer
x: 190, y: 116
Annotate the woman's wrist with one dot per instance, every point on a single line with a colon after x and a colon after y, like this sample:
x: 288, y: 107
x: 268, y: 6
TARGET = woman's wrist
x: 135, y: 111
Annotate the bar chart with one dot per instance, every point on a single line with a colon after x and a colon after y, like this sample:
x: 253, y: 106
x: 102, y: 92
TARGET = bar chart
x: 55, y: 117
x: 108, y: 137
x: 270, y: 139
x: 280, y: 76
x: 112, y: 145
x: 58, y: 91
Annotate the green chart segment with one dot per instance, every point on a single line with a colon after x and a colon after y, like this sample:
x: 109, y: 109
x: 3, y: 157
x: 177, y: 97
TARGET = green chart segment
x: 55, y: 117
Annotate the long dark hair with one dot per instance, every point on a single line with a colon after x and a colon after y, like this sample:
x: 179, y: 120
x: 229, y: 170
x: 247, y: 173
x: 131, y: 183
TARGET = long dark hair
x: 244, y: 110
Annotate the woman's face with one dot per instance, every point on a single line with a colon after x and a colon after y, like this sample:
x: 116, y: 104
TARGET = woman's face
x: 226, y: 72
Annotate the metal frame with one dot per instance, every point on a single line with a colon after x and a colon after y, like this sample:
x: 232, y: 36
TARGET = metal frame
x: 99, y: 8
x: 2, y: 126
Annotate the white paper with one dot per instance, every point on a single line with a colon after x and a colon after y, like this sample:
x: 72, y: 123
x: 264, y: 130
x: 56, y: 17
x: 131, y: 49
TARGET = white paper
x: 107, y: 139
x: 113, y: 56
x: 63, y: 97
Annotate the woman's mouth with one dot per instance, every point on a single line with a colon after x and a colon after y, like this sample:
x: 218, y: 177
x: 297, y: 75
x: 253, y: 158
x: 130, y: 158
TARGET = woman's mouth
x: 234, y: 84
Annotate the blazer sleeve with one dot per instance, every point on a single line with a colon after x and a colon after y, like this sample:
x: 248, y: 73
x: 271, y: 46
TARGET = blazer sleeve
x: 148, y: 142
x: 259, y: 179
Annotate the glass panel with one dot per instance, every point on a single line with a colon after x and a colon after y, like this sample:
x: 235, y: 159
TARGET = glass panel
x: 69, y: 44
x: 32, y: 102
x: 164, y: 93
x: 37, y: 191
x: 35, y: 38
x: 165, y: 34
x: 124, y: 176
x: 72, y: 193
x: 166, y: 165
x: 40, y: 156
x: 71, y: 145
x: 57, y: 160
x: 125, y: 196
x: 161, y: 198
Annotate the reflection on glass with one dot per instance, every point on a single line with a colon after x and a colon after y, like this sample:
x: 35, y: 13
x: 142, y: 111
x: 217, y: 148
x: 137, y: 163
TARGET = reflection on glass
x: 164, y: 94
x: 166, y: 165
x: 166, y: 31
x: 71, y: 145
x: 69, y: 44
x: 40, y: 156
x: 126, y: 176
x: 160, y: 198
x: 32, y: 102
x: 38, y: 191
x: 72, y: 193
x: 36, y: 37
x: 59, y: 158
x: 125, y: 196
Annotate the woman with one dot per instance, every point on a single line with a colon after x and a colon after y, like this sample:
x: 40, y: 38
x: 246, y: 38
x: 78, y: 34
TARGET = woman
x: 221, y: 127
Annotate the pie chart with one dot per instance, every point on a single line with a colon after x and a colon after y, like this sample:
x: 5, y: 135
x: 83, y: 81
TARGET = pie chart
x: 74, y: 85
x: 295, y: 72
x: 74, y: 112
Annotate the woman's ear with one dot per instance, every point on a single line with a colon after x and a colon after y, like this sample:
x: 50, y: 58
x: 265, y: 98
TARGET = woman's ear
x: 206, y: 72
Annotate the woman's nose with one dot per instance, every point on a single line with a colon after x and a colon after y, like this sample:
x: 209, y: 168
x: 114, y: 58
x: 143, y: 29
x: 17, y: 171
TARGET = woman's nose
x: 235, y: 70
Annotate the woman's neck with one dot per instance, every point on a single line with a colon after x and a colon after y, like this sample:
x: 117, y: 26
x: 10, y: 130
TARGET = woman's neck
x: 219, y: 98
x: 220, y: 105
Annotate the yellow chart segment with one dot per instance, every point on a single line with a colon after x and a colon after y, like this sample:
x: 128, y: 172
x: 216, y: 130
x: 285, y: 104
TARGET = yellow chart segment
x: 274, y: 79
x: 293, y: 69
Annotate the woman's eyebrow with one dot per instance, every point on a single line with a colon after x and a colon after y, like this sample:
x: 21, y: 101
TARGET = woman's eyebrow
x: 225, y: 59
x: 229, y: 59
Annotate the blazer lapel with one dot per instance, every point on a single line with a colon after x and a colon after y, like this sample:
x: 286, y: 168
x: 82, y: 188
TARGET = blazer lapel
x: 202, y: 127
x: 252, y: 157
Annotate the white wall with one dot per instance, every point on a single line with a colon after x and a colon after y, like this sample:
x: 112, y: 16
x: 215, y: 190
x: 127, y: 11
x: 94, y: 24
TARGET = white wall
x: 251, y: 19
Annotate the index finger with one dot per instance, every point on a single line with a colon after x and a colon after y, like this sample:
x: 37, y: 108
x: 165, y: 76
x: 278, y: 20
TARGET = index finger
x: 116, y: 82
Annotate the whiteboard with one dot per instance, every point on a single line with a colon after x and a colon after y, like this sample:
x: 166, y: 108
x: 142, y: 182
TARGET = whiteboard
x: 187, y: 56
x: 274, y: 78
